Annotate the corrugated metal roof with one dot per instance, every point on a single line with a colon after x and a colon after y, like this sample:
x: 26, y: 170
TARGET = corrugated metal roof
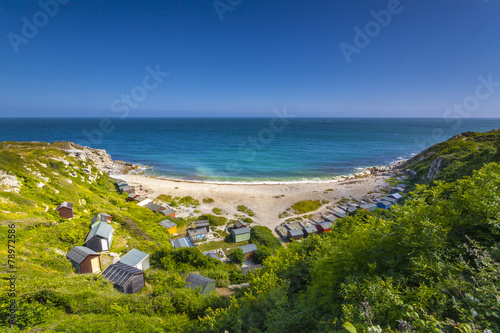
x: 102, y: 229
x: 396, y: 196
x: 182, y: 242
x: 241, y: 231
x: 367, y: 206
x: 167, y: 223
x: 79, y: 253
x: 325, y: 225
x: 248, y: 248
x: 296, y: 232
x: 201, y: 224
x: 196, y: 280
x: 120, y: 273
x: 154, y: 207
x: 133, y: 258
x: 167, y: 211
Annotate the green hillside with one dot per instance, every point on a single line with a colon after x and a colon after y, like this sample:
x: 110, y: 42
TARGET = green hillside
x: 430, y: 265
x: 457, y: 157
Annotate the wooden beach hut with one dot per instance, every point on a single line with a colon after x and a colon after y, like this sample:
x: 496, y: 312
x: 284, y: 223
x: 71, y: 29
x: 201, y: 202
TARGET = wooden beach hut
x: 370, y: 207
x: 323, y: 227
x: 248, y: 250
x: 65, y: 210
x: 396, y: 196
x: 241, y: 234
x: 205, y: 285
x: 125, y: 278
x: 100, y: 237
x: 295, y: 234
x: 84, y: 260
x: 309, y: 231
x: 171, y: 226
x: 101, y: 217
x: 384, y: 204
x: 168, y: 212
x: 239, y: 224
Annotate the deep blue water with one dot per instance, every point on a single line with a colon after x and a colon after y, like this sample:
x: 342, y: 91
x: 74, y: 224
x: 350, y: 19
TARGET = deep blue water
x: 238, y: 149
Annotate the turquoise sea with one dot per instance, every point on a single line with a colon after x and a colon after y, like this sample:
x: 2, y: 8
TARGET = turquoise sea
x: 248, y: 149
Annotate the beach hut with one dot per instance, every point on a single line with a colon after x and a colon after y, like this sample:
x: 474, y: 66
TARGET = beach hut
x: 100, y: 237
x: 309, y: 231
x: 65, y: 210
x: 331, y: 218
x: 84, y: 260
x: 351, y: 209
x: 171, y: 226
x: 139, y: 199
x: 197, y: 235
x: 125, y: 278
x: 370, y: 207
x: 323, y: 227
x: 389, y: 199
x: 181, y: 242
x: 137, y: 259
x: 384, y: 204
x: 205, y: 284
x: 295, y: 234
x: 101, y: 217
x: 144, y: 202
x: 397, y: 189
x: 131, y: 197
x: 127, y: 189
x: 203, y: 224
x: 211, y: 254
x: 241, y: 234
x: 396, y: 196
x: 167, y: 212
x: 339, y: 213
x: 239, y: 224
x: 248, y: 250
x: 403, y: 186
x: 154, y: 207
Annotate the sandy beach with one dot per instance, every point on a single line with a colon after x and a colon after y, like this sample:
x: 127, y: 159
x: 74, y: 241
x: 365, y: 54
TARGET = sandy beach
x: 267, y: 201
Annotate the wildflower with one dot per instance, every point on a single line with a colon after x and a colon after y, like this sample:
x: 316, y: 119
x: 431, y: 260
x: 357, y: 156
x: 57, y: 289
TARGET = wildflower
x: 474, y: 313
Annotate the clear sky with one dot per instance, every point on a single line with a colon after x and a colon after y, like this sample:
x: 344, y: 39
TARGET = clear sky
x: 323, y: 58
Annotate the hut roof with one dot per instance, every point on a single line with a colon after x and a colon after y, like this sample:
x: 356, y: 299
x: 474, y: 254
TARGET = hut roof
x: 79, y: 253
x: 65, y: 204
x: 197, y: 232
x: 239, y: 224
x: 133, y: 258
x: 167, y: 224
x: 211, y: 254
x: 331, y: 218
x: 154, y: 207
x: 167, y: 211
x: 181, y: 242
x: 396, y: 196
x: 102, y: 229
x: 367, y: 206
x: 241, y: 231
x: 311, y: 230
x: 325, y: 225
x: 295, y: 232
x: 120, y: 273
x: 248, y: 248
x: 196, y: 280
x: 201, y: 224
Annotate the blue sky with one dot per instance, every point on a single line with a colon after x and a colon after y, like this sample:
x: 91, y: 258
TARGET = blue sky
x: 263, y: 55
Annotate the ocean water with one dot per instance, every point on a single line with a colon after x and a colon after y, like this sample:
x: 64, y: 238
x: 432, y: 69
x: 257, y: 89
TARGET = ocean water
x: 248, y: 150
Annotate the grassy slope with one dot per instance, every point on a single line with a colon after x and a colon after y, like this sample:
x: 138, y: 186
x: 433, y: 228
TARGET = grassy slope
x: 44, y: 275
x: 458, y: 156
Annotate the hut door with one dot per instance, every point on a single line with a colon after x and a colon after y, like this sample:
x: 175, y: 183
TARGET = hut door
x: 95, y: 264
x: 104, y: 244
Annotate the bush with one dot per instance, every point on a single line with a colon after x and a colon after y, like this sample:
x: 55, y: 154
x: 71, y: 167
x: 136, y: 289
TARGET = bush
x: 208, y: 200
x: 307, y: 206
x: 217, y: 211
x: 263, y: 236
x: 238, y: 256
x: 214, y: 220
